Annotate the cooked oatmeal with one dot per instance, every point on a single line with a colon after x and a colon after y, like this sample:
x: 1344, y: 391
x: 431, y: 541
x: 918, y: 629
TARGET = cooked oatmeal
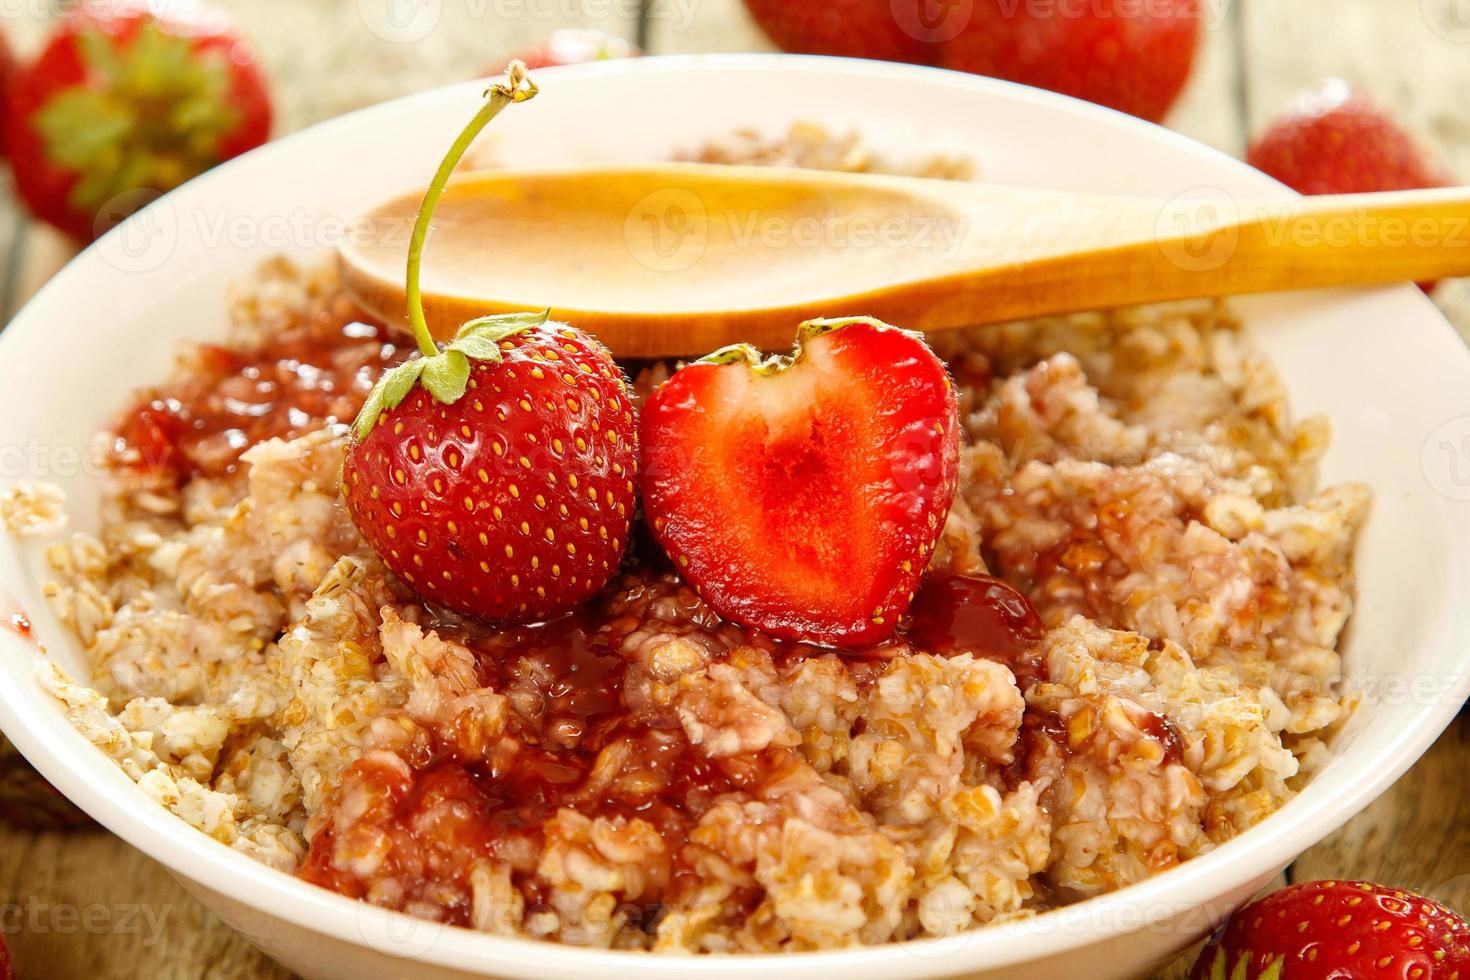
x: 1123, y: 654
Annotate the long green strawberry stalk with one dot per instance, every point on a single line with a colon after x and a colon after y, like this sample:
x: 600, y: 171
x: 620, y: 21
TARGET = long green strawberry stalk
x: 446, y: 372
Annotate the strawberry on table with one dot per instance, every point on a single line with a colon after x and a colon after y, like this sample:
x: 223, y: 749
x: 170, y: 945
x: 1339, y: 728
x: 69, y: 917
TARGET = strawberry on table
x: 1131, y: 56
x: 570, y: 46
x: 1330, y: 930
x: 122, y: 99
x: 1333, y: 139
x: 804, y: 495
x: 1135, y: 57
x: 847, y: 28
x: 496, y: 476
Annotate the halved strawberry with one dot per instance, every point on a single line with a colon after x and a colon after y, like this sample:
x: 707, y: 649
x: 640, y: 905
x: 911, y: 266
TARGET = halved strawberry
x: 804, y: 495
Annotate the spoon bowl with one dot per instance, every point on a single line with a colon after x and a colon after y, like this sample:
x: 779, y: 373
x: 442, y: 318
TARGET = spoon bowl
x: 667, y: 260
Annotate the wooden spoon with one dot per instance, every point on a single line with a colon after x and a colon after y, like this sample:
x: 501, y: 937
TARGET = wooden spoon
x: 681, y: 259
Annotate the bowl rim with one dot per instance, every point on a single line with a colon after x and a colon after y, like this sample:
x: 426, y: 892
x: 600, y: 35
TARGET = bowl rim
x: 1254, y: 855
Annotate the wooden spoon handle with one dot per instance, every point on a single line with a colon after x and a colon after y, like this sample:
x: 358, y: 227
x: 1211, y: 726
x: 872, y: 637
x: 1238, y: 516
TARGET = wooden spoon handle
x: 1215, y: 246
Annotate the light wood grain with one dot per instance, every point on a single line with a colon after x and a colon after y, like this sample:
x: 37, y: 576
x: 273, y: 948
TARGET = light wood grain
x: 84, y: 904
x: 1016, y: 253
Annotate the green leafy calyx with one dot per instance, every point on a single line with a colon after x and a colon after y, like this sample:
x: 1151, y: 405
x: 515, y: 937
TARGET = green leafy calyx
x: 153, y: 113
x: 445, y: 373
x: 1220, y: 963
x: 776, y: 363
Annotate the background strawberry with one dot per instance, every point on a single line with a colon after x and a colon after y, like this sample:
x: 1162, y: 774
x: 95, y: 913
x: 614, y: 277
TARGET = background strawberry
x: 1131, y: 56
x: 569, y: 46
x: 1118, y: 53
x: 121, y: 100
x: 1329, y: 930
x: 512, y: 500
x: 1333, y: 139
x: 804, y: 496
x: 847, y: 28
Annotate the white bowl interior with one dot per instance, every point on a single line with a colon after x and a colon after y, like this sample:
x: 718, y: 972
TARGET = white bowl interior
x: 1382, y: 364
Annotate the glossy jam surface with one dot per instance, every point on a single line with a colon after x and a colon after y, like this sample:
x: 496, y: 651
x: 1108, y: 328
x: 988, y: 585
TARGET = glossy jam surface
x: 313, y: 374
x: 981, y: 615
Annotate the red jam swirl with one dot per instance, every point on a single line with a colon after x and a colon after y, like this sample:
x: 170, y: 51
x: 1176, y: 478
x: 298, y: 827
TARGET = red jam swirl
x: 978, y: 614
x: 311, y: 375
x: 564, y: 688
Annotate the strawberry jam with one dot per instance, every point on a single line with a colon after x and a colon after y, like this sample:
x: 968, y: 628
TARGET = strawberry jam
x: 311, y: 375
x: 1162, y: 730
x: 978, y: 614
x: 571, y: 740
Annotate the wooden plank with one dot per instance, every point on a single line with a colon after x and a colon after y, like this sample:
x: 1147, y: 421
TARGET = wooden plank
x: 1416, y: 836
x: 87, y: 905
x: 1412, y: 56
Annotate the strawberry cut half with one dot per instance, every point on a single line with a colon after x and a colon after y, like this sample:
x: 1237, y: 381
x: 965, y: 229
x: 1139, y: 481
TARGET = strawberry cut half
x: 803, y: 495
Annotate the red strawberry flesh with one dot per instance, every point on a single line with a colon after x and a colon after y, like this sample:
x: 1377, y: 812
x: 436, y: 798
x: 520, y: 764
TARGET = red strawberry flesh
x: 805, y: 500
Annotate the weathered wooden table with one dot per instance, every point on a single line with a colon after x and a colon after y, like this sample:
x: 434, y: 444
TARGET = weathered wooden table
x: 87, y: 905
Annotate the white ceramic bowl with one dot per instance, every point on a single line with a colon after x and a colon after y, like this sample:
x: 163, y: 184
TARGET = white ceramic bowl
x: 1386, y: 368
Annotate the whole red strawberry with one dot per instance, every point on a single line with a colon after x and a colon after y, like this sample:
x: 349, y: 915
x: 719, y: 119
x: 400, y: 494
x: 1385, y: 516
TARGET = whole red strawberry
x: 570, y: 46
x: 7, y: 970
x: 847, y: 28
x: 1335, y: 140
x: 496, y: 476
x: 123, y: 101
x: 804, y: 495
x: 1135, y: 57
x: 1330, y: 930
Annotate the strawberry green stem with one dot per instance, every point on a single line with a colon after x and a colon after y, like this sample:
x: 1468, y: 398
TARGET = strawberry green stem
x: 516, y: 88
